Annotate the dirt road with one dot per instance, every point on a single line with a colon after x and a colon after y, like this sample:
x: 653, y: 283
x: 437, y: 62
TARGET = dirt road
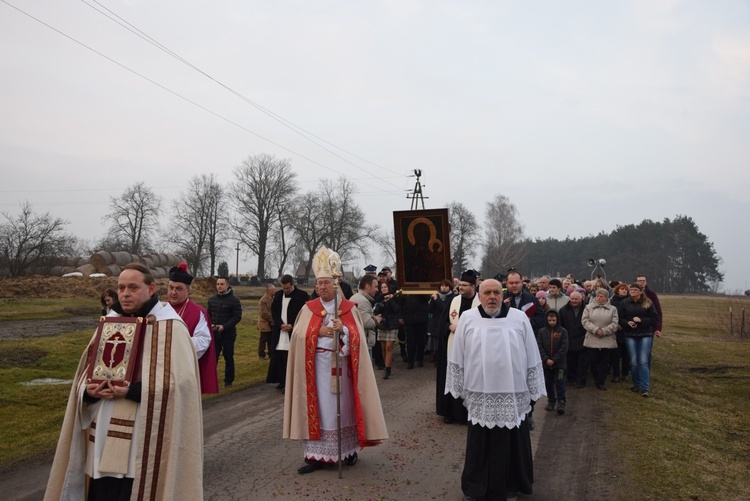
x: 245, y: 457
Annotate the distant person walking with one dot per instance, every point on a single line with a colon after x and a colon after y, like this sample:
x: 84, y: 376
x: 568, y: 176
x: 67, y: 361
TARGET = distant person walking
x: 225, y: 311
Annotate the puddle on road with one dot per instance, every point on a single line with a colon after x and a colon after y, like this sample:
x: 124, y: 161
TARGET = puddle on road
x: 46, y: 382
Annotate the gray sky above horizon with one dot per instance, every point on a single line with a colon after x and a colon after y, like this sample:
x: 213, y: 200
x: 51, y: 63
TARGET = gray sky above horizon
x: 587, y: 115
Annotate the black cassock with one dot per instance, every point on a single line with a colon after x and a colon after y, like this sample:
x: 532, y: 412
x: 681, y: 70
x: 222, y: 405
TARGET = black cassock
x: 446, y: 405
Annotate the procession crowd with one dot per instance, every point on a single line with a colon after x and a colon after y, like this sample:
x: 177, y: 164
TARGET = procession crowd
x: 133, y: 425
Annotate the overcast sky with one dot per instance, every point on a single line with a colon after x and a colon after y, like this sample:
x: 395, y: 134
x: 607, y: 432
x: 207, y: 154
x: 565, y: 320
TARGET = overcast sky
x: 587, y: 114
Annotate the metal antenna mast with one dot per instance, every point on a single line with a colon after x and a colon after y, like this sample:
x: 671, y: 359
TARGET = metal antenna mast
x: 416, y: 196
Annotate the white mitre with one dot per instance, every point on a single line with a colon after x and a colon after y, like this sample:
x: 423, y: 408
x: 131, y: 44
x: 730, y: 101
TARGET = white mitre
x: 326, y: 264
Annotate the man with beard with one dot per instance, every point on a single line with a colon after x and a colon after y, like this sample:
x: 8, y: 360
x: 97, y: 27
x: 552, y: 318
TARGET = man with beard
x: 451, y: 408
x: 198, y: 323
x: 285, y: 307
x: 143, y: 440
x: 495, y: 367
x: 310, y: 405
x: 571, y: 317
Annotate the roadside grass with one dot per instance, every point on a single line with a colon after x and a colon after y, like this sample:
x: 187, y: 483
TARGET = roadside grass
x: 31, y: 416
x: 44, y: 309
x: 691, y: 439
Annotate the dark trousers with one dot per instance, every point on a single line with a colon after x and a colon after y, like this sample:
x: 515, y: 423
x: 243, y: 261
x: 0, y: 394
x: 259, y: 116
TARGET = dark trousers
x: 377, y: 355
x: 110, y: 489
x: 416, y: 339
x: 498, y: 461
x: 599, y: 360
x: 577, y: 363
x: 264, y: 344
x: 620, y: 360
x: 554, y: 382
x: 225, y: 344
x: 402, y: 343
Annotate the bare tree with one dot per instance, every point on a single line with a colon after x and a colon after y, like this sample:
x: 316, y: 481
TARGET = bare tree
x: 262, y: 186
x: 282, y: 245
x: 330, y: 216
x: 134, y: 218
x: 32, y: 242
x: 504, y: 242
x: 308, y: 226
x: 347, y: 232
x: 197, y: 223
x: 386, y: 242
x: 465, y: 236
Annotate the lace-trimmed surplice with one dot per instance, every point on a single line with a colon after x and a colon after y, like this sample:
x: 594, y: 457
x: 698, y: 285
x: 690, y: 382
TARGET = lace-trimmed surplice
x: 494, y: 365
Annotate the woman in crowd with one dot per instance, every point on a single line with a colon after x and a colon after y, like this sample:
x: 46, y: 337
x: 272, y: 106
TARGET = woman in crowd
x: 108, y: 298
x: 620, y: 359
x: 637, y: 318
x: 533, y: 288
x: 600, y: 319
x: 438, y: 302
x: 542, y: 298
x: 390, y: 309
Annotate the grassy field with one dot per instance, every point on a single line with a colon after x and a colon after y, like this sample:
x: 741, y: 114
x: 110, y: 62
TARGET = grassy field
x: 690, y: 440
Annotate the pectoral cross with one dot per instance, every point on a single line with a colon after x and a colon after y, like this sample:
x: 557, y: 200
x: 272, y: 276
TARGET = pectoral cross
x: 115, y: 343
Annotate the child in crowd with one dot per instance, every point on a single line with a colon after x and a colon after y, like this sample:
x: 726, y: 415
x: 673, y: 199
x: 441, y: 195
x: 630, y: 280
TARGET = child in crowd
x: 553, y: 348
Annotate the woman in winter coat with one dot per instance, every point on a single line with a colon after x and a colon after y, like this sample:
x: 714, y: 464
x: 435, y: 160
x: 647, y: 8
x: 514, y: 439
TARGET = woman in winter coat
x: 600, y: 319
x: 620, y: 358
x: 637, y: 318
x: 390, y: 309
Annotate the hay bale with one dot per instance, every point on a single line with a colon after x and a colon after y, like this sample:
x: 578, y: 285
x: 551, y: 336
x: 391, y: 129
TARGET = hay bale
x: 121, y: 258
x: 87, y: 269
x: 113, y: 270
x: 101, y: 259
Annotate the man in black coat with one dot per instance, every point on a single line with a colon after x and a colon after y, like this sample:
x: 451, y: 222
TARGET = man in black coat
x: 225, y: 312
x: 285, y: 307
x: 516, y: 297
x: 570, y: 317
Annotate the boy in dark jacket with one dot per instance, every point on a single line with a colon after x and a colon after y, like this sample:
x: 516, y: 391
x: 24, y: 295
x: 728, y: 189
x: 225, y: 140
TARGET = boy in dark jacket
x: 553, y: 348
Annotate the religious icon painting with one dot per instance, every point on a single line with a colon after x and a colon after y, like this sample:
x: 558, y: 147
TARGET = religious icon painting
x: 423, y: 256
x: 114, y: 354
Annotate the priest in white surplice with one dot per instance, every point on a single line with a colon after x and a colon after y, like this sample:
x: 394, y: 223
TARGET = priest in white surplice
x: 494, y: 365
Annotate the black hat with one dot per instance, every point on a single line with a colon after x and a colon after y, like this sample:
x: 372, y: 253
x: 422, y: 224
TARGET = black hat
x: 371, y: 268
x: 469, y: 276
x: 180, y: 274
x: 385, y: 268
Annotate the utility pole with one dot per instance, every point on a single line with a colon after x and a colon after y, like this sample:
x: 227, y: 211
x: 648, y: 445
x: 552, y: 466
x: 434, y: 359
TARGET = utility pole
x: 237, y: 264
x: 416, y: 196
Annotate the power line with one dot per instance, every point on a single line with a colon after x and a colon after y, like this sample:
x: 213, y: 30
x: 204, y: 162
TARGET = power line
x: 239, y: 126
x: 290, y: 125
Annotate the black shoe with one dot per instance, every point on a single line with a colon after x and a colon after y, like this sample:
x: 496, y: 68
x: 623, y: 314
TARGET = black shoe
x: 550, y: 406
x: 531, y: 423
x: 561, y: 407
x: 387, y: 373
x: 280, y: 386
x: 635, y: 389
x: 447, y: 420
x: 615, y: 379
x: 227, y: 385
x: 601, y: 387
x: 381, y: 367
x: 351, y: 460
x: 511, y: 495
x: 310, y: 467
x: 469, y: 498
x: 645, y: 393
x: 410, y: 365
